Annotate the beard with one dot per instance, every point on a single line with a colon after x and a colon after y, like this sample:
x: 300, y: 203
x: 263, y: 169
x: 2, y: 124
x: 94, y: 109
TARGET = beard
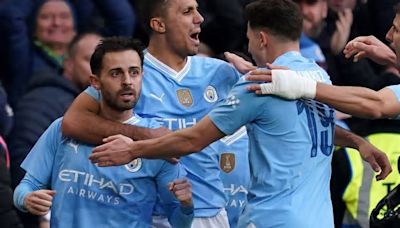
x: 115, y: 102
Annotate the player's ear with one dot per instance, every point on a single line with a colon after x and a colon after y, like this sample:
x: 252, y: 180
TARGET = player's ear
x: 157, y: 24
x: 94, y: 81
x: 263, y: 38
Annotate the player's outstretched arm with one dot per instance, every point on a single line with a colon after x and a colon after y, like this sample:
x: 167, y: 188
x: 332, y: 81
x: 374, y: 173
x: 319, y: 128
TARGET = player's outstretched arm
x: 117, y: 150
x: 357, y: 101
x: 376, y: 158
x: 82, y: 122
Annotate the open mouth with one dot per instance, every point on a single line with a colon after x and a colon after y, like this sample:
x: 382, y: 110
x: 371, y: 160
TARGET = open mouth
x: 195, y: 37
x: 127, y: 95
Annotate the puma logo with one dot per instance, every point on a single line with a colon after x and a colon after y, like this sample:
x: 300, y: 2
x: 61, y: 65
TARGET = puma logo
x: 74, y: 146
x: 160, y: 98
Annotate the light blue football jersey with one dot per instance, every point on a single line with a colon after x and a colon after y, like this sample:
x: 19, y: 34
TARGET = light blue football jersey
x: 180, y: 100
x: 396, y: 91
x: 291, y: 144
x: 235, y: 173
x: 92, y: 196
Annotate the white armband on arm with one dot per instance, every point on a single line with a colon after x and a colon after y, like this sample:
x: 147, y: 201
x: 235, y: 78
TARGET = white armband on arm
x: 289, y: 85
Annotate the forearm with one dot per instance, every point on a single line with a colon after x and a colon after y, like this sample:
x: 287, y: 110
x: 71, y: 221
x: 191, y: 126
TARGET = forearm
x: 95, y: 128
x: 26, y: 186
x: 82, y: 122
x: 179, y: 143
x: 357, y: 101
x: 345, y: 138
x: 176, y: 144
x: 392, y: 59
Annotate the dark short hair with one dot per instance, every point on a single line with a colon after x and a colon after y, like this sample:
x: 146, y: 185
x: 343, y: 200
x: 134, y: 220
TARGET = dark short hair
x: 149, y: 9
x: 280, y: 17
x: 113, y: 44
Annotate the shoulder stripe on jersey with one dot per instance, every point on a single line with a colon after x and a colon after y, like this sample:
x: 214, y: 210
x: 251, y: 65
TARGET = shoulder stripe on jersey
x: 230, y: 139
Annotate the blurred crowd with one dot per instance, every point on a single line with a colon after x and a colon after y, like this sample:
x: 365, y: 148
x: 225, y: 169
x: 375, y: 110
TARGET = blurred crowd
x: 46, y: 45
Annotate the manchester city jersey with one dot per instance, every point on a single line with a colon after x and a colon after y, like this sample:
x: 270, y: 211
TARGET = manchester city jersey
x: 92, y: 196
x: 181, y: 99
x: 291, y: 143
x: 396, y: 91
x: 235, y: 173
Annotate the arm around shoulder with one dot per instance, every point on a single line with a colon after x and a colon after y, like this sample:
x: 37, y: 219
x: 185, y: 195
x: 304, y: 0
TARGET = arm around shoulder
x: 81, y: 121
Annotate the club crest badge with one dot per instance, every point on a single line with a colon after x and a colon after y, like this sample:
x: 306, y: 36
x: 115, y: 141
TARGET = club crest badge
x: 185, y: 97
x: 227, y: 162
x: 210, y: 94
x: 134, y: 165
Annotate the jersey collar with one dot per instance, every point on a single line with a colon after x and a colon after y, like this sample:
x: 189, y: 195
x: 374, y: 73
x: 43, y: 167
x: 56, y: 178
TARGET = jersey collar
x: 165, y: 69
x: 133, y: 120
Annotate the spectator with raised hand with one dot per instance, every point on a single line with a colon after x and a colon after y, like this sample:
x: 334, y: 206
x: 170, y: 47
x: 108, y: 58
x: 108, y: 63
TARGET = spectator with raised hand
x: 342, y: 32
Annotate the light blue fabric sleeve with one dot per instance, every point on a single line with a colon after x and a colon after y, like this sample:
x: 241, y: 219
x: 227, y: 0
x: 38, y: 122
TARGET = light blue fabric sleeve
x: 43, y: 153
x: 232, y: 113
x: 178, y: 216
x: 27, y: 185
x: 396, y: 91
x: 91, y: 91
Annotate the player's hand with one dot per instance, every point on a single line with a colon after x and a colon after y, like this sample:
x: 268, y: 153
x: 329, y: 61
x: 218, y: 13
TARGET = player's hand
x: 376, y: 158
x: 239, y: 63
x: 370, y: 47
x: 115, y: 151
x: 261, y: 75
x: 342, y: 32
x: 286, y: 84
x: 39, y: 202
x: 182, y: 190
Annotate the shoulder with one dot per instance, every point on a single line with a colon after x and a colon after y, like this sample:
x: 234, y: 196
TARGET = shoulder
x: 209, y: 62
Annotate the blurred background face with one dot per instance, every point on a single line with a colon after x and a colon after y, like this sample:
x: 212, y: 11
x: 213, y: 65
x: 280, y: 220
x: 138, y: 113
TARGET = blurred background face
x: 77, y: 66
x: 55, y: 23
x: 314, y: 13
x: 340, y: 5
